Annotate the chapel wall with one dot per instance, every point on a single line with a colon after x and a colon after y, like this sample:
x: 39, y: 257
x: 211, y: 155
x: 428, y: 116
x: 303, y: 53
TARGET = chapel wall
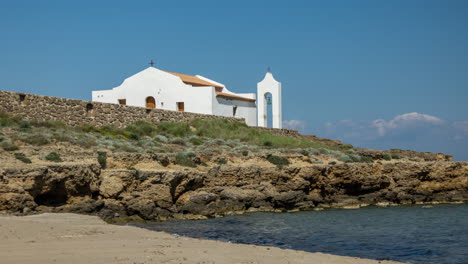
x: 246, y: 110
x: 79, y: 112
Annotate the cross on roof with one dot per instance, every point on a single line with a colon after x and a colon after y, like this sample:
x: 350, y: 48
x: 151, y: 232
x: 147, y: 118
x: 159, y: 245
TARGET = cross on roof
x: 269, y: 69
x: 151, y: 63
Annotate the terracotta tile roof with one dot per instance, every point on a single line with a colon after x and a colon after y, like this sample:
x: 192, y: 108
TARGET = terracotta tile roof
x: 194, y: 80
x: 234, y: 97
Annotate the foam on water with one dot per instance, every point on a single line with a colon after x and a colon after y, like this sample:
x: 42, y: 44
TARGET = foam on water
x: 415, y: 234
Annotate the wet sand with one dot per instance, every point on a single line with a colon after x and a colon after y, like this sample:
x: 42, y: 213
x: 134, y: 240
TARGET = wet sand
x: 72, y: 238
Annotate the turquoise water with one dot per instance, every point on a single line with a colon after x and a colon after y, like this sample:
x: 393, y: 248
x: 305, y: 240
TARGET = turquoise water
x: 413, y: 234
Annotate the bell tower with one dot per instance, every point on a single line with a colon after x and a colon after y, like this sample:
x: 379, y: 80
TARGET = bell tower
x: 269, y: 86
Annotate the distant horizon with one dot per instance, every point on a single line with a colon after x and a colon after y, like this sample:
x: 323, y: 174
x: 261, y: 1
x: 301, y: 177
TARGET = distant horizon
x: 375, y: 75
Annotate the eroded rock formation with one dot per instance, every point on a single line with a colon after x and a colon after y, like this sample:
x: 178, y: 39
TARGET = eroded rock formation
x: 160, y: 195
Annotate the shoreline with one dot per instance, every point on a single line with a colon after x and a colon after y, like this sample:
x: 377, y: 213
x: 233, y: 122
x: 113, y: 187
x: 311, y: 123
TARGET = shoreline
x: 74, y: 238
x: 120, y: 220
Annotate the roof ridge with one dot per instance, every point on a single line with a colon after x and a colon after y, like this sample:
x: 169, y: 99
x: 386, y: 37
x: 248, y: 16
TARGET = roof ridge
x: 192, y: 79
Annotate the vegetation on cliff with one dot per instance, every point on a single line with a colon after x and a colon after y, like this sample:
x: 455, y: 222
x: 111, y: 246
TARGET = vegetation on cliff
x: 193, y: 144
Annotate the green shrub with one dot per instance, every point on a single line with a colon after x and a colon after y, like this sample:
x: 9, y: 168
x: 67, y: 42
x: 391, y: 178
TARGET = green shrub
x: 7, y: 120
x: 53, y: 156
x: 22, y: 157
x: 278, y: 161
x: 1, y: 139
x: 196, y: 141
x: 324, y: 151
x: 345, y: 158
x: 177, y: 129
x: 355, y: 158
x: 178, y: 141
x: 304, y: 152
x: 245, y: 153
x: 396, y: 156
x: 185, y: 159
x: 87, y: 128
x: 48, y: 124
x: 109, y: 131
x: 123, y: 147
x: 222, y: 161
x: 141, y: 128
x: 367, y: 159
x: 113, y: 132
x: 8, y: 146
x: 267, y: 143
x: 134, y: 136
x: 161, y: 138
x: 85, y: 141
x: 25, y: 125
x: 102, y: 159
x: 345, y: 147
x: 332, y: 162
x: 35, y: 139
x: 386, y: 157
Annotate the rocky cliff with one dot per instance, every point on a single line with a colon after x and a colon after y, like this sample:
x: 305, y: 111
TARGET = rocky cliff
x: 164, y: 194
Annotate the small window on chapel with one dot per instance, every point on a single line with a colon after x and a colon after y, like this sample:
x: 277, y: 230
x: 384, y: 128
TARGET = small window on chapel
x: 123, y: 101
x: 180, y: 106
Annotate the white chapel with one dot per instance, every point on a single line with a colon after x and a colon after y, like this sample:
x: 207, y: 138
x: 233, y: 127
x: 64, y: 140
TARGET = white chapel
x: 155, y: 88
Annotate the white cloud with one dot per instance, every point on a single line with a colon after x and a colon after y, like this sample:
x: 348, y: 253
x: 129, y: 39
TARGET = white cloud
x: 416, y: 131
x: 404, y: 124
x: 404, y: 120
x: 294, y: 124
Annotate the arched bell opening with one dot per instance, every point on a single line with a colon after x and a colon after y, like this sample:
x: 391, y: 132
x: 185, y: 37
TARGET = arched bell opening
x: 268, y: 104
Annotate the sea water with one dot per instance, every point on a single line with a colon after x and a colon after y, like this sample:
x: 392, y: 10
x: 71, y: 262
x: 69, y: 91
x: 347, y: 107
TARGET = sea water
x: 413, y: 234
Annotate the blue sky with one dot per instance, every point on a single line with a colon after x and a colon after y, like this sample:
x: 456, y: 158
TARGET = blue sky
x: 380, y: 74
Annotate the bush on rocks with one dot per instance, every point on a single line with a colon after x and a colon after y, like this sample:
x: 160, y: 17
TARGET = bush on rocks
x: 53, y: 156
x: 22, y: 157
x: 8, y: 146
x: 277, y: 160
x: 35, y: 139
x: 386, y: 157
x: 185, y: 159
x: 102, y: 159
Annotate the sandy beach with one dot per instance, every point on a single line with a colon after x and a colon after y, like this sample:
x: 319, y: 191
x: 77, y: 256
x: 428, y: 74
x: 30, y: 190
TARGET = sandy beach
x: 73, y: 238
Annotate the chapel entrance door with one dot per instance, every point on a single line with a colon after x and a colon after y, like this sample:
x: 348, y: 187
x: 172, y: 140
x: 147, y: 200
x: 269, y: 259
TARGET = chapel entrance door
x: 180, y: 106
x: 150, y: 102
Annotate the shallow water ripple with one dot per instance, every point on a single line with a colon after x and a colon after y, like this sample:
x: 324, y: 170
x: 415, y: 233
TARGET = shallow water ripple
x: 413, y: 234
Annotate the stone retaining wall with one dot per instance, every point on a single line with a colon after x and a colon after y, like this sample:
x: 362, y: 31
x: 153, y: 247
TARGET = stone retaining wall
x: 79, y: 112
x: 281, y: 132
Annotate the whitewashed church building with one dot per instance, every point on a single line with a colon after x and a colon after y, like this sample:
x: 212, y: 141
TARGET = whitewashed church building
x: 155, y: 88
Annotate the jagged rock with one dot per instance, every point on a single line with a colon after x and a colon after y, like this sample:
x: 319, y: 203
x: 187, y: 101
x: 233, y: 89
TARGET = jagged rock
x: 16, y: 202
x: 143, y: 207
x: 159, y: 195
x: 111, y: 187
x: 86, y: 206
x: 288, y: 199
x: 244, y: 196
x: 112, y: 209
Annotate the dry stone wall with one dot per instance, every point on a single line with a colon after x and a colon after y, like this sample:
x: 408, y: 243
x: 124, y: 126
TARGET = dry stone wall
x: 281, y: 132
x: 79, y: 112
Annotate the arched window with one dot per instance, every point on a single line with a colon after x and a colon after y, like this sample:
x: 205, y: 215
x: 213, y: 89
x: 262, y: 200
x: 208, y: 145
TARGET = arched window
x: 150, y: 102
